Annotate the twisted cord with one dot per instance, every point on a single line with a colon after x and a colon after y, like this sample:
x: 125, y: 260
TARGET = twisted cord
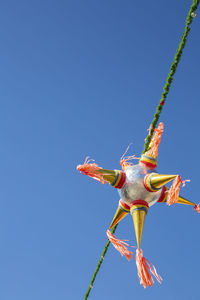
x: 170, y: 76
x: 99, y: 264
x: 159, y: 108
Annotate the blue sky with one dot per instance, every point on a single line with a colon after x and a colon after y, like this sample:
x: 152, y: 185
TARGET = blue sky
x: 83, y: 78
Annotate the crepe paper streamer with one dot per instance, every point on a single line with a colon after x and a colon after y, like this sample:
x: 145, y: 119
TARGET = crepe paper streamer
x: 139, y: 210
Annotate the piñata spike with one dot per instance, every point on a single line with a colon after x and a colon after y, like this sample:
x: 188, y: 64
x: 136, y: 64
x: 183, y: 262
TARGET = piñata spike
x: 153, y: 182
x: 138, y: 220
x: 182, y: 200
x: 120, y: 245
x: 119, y: 179
x: 107, y: 172
x: 122, y: 211
x: 139, y: 209
x: 116, y: 178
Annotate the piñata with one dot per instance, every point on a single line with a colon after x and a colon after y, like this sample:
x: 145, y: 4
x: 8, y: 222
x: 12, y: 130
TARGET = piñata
x: 140, y: 187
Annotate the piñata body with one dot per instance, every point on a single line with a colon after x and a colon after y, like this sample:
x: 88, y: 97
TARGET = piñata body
x: 134, y: 188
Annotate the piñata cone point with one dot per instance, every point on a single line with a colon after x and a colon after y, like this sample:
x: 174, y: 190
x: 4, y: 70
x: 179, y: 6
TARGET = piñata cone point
x: 158, y: 180
x: 116, y: 178
x: 182, y: 200
x: 138, y: 216
x: 119, y: 215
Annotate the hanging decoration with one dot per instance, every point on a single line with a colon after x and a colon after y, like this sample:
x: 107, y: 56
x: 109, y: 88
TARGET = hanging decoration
x: 139, y: 185
x: 139, y: 188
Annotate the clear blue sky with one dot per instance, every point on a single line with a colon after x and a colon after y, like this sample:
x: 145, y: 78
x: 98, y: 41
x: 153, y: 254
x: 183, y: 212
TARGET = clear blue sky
x: 82, y: 78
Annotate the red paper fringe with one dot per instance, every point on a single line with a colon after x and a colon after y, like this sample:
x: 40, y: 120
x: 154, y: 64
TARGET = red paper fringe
x: 120, y: 245
x: 197, y: 208
x: 144, y: 269
x: 155, y: 142
x: 173, y: 193
x: 91, y: 170
x: 125, y: 160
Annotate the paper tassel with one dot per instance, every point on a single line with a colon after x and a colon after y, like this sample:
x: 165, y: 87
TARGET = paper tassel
x: 173, y: 194
x: 120, y: 245
x: 197, y: 208
x: 153, y: 147
x: 125, y: 160
x: 91, y: 170
x: 144, y: 269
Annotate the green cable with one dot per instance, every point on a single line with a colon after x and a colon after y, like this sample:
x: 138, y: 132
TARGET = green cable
x: 105, y: 249
x: 173, y: 68
x: 159, y: 108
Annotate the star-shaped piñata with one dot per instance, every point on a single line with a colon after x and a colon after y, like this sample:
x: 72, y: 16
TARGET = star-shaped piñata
x: 139, y: 187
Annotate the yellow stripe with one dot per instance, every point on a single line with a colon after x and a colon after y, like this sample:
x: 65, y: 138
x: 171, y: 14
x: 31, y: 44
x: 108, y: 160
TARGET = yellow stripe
x: 148, y: 160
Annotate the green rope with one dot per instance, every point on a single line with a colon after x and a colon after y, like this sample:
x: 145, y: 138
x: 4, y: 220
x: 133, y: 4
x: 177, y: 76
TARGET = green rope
x: 99, y: 264
x: 173, y: 68
x: 169, y: 80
